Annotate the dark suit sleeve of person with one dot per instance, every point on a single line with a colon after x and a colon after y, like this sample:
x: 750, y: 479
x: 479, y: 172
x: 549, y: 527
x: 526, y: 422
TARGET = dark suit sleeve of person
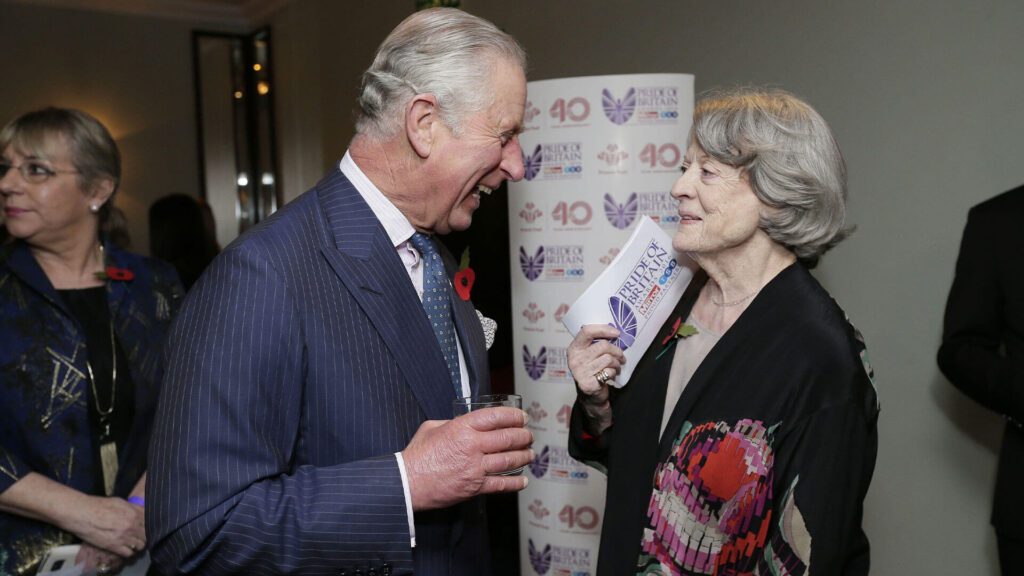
x: 975, y: 330
x: 223, y: 496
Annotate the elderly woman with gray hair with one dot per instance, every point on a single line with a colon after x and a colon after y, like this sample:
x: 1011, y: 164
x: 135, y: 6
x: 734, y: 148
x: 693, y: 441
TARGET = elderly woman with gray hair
x: 745, y: 440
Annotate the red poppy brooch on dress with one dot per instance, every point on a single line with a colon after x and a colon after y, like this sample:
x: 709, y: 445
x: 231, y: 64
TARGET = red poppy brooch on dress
x: 679, y: 330
x: 116, y: 274
x: 465, y: 277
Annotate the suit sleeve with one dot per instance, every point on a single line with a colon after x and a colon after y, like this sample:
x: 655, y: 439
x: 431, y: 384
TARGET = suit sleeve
x: 223, y: 496
x: 974, y: 325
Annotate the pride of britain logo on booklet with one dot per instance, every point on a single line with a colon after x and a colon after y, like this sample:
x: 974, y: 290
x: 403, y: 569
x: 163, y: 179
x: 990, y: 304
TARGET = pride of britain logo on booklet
x: 635, y: 293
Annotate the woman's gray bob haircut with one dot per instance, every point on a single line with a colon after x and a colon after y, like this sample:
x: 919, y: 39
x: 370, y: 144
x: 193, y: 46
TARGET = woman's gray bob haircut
x: 441, y: 51
x: 790, y: 158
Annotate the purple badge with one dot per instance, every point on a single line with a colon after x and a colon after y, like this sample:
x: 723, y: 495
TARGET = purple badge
x: 532, y: 265
x: 619, y: 111
x: 620, y: 215
x: 532, y: 163
x: 539, y: 467
x: 540, y: 559
x: 535, y: 365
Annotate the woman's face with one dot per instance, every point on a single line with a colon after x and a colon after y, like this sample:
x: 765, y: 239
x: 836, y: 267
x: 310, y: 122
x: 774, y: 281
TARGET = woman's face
x: 718, y: 210
x: 54, y: 210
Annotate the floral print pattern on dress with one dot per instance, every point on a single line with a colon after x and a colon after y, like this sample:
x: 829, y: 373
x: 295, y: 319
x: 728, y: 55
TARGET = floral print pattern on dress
x: 710, y: 510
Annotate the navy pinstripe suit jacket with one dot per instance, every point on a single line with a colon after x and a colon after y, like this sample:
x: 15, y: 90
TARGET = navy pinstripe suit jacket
x: 300, y: 362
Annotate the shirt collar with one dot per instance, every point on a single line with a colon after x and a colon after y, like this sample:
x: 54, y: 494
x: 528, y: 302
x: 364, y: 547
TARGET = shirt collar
x: 395, y: 223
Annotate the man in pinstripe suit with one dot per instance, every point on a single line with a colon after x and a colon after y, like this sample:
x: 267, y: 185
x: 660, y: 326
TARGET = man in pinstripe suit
x: 305, y: 421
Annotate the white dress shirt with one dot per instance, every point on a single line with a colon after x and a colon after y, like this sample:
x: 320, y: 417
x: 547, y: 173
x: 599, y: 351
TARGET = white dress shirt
x: 399, y: 230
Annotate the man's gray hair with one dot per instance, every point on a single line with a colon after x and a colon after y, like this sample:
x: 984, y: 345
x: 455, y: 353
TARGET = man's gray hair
x: 441, y: 51
x: 790, y: 158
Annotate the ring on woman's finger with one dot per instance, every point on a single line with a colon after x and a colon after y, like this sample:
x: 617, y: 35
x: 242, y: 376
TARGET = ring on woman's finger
x: 103, y: 568
x: 602, y: 377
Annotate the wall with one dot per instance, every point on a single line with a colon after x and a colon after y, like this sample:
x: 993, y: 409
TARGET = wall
x: 321, y: 49
x: 133, y: 73
x: 925, y: 100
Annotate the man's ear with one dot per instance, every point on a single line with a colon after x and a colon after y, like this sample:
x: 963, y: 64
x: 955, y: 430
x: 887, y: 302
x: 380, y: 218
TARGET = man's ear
x: 420, y: 116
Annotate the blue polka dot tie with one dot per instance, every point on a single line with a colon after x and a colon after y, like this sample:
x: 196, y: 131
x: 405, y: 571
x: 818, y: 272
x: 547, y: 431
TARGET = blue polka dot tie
x: 437, y: 304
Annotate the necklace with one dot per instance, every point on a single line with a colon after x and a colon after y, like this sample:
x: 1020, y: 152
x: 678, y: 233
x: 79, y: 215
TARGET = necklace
x: 108, y: 447
x: 726, y: 304
x: 105, y: 414
x: 733, y: 302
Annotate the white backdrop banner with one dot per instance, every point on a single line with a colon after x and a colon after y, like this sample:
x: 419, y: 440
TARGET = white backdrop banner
x: 599, y: 152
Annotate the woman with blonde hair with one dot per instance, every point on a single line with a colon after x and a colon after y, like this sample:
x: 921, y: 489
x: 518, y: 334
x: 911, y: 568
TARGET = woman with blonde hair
x: 80, y: 349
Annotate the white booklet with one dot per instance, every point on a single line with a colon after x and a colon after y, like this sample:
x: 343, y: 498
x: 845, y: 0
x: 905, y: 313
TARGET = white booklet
x: 636, y: 293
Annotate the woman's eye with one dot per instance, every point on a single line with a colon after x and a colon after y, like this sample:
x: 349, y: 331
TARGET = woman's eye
x: 684, y: 168
x: 36, y: 169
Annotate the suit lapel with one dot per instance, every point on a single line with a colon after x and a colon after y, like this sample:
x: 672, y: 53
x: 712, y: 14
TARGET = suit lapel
x: 360, y: 253
x: 471, y: 334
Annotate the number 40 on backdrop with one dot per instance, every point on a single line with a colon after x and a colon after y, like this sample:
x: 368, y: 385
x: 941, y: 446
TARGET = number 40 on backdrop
x: 599, y: 151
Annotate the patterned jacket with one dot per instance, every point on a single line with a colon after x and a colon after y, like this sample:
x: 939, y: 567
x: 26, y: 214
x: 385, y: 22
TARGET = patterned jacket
x: 44, y: 418
x: 766, y: 458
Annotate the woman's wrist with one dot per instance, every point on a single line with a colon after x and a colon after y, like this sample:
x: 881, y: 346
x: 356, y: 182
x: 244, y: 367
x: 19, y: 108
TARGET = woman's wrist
x: 598, y: 416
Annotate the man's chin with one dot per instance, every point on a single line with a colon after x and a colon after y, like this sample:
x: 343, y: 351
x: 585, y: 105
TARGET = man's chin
x: 459, y: 223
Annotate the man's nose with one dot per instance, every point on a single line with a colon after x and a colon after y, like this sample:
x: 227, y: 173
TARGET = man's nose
x: 512, y: 160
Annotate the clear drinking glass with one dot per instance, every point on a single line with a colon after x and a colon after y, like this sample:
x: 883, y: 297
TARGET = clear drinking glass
x: 467, y: 404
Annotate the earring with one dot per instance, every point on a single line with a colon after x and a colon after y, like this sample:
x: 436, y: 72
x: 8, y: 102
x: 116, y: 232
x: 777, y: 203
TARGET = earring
x: 95, y: 208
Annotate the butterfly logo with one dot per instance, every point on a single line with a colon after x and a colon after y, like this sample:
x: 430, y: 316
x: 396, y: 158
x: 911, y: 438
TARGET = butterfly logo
x: 624, y: 320
x: 540, y: 559
x: 619, y: 111
x: 535, y: 365
x: 620, y: 215
x: 539, y: 466
x: 532, y: 163
x: 532, y: 265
